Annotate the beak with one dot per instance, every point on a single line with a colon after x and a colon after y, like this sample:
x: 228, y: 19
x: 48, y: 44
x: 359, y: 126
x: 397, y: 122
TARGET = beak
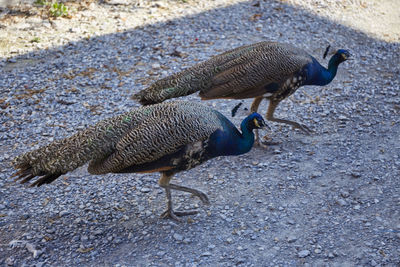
x: 261, y: 124
x: 266, y: 126
x: 346, y: 56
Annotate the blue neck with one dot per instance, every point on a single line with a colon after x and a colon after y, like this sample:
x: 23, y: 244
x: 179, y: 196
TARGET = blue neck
x: 230, y: 141
x: 246, y: 139
x: 320, y: 75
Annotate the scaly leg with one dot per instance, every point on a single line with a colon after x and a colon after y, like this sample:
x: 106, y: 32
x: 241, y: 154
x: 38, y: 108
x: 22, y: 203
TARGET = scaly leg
x: 170, y: 213
x: 270, y: 116
x: 254, y: 108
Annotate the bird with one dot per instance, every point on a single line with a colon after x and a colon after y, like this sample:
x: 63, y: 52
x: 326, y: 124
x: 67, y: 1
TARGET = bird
x: 270, y: 70
x: 167, y: 138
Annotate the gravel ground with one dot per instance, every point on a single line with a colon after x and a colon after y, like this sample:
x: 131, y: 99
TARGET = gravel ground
x: 329, y: 199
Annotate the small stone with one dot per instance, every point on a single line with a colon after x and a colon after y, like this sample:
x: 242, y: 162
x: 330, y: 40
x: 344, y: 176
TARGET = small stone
x: 98, y: 232
x: 291, y: 239
x: 240, y: 261
x: 178, y: 237
x: 342, y: 202
x: 316, y: 174
x: 357, y: 207
x: 291, y: 222
x: 145, y: 190
x: 303, y: 253
x: 51, y: 231
x: 206, y: 254
x: 317, y: 251
x: 10, y: 261
x: 160, y: 253
x: 345, y: 194
x: 156, y: 65
x: 63, y: 213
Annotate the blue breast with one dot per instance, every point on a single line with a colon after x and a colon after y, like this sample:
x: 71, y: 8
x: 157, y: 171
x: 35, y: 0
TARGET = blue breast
x: 316, y: 74
x: 229, y: 141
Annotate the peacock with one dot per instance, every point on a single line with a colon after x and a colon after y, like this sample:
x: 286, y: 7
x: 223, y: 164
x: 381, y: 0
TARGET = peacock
x: 268, y: 70
x: 168, y: 138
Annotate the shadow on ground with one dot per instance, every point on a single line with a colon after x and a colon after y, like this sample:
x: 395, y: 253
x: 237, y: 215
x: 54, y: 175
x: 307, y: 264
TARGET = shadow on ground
x: 106, y: 70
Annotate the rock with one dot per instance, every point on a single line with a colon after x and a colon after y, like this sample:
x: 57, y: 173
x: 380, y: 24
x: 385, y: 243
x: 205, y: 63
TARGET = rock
x: 177, y: 237
x: 10, y: 261
x: 291, y: 239
x: 342, y: 202
x: 206, y: 254
x: 63, y: 213
x: 145, y: 190
x: 156, y: 66
x: 303, y: 253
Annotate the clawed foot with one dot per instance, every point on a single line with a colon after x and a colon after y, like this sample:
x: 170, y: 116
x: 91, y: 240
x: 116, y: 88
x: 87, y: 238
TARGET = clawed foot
x: 260, y: 144
x: 170, y: 214
x: 267, y: 141
x: 302, y: 128
x: 203, y: 197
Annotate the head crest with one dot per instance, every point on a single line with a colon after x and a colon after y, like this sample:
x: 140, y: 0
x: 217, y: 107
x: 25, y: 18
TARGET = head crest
x: 326, y: 51
x: 235, y: 109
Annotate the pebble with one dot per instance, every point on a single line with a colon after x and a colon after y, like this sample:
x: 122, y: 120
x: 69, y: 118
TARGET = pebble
x: 10, y: 261
x: 145, y: 190
x: 178, y: 237
x: 342, y: 202
x: 206, y: 254
x: 63, y: 213
x: 291, y: 238
x: 303, y: 253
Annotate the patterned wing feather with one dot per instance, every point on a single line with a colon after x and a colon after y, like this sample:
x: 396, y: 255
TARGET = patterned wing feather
x: 249, y: 74
x: 158, y: 136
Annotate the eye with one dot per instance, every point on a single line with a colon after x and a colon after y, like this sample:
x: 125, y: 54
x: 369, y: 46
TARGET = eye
x: 256, y: 123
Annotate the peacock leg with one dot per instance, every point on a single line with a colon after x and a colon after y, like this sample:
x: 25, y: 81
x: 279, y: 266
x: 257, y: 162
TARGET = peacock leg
x: 254, y: 108
x: 170, y: 213
x: 270, y: 116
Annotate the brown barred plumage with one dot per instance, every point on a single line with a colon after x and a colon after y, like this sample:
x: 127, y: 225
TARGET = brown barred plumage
x: 136, y: 137
x: 238, y: 73
x: 167, y: 138
x: 268, y: 70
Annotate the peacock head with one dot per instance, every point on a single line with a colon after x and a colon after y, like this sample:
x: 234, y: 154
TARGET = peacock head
x: 342, y: 55
x: 255, y: 121
x: 338, y: 56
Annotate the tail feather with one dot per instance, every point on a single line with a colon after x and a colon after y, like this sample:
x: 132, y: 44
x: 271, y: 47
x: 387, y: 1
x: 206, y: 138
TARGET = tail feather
x: 169, y: 87
x: 199, y: 77
x: 46, y: 179
x: 57, y: 158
